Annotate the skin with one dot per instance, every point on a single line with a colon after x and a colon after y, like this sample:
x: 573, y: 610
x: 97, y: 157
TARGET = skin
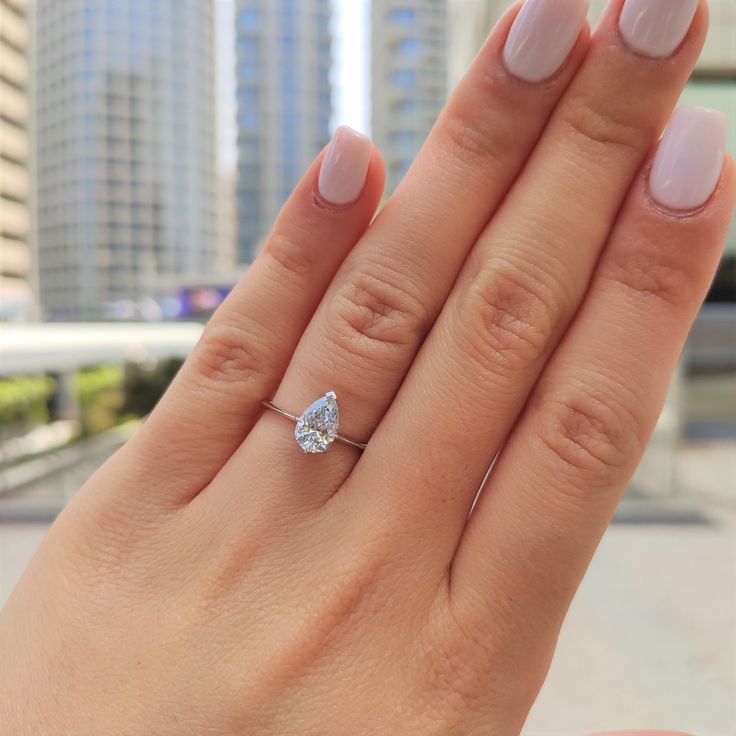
x: 522, y: 295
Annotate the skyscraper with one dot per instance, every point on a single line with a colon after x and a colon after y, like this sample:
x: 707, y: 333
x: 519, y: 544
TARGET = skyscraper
x: 469, y: 24
x: 284, y: 99
x: 125, y: 135
x: 16, y: 294
x: 409, y: 77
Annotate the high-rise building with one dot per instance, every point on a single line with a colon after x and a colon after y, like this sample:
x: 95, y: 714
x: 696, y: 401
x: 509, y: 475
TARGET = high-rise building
x: 125, y: 151
x: 469, y: 23
x: 16, y: 292
x: 409, y: 77
x: 226, y: 136
x: 284, y: 101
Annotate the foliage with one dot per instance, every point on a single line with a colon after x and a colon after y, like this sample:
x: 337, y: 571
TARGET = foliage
x: 101, y: 396
x: 146, y: 383
x: 24, y: 400
x: 107, y: 394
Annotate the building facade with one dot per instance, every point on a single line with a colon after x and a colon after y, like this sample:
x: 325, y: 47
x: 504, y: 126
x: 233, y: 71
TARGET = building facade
x: 409, y: 77
x: 125, y: 151
x: 284, y: 104
x: 470, y: 22
x: 16, y: 291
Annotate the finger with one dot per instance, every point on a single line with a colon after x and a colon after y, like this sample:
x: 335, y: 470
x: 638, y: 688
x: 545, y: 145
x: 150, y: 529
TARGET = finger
x: 522, y: 285
x: 245, y: 348
x: 557, y: 480
x: 372, y: 320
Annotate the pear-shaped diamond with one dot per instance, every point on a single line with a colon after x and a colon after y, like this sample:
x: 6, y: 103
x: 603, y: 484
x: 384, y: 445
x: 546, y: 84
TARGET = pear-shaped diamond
x: 316, y: 429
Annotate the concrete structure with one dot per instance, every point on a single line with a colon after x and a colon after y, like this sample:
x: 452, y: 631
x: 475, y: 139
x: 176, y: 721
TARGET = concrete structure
x: 16, y: 292
x: 284, y: 99
x: 125, y: 126
x: 61, y: 348
x: 409, y: 77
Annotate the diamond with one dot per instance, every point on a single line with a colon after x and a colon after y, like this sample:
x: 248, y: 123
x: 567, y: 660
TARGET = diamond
x: 316, y: 428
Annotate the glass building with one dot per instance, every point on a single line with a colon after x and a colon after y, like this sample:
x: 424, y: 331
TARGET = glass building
x: 16, y: 292
x: 125, y: 151
x: 284, y: 104
x: 409, y: 77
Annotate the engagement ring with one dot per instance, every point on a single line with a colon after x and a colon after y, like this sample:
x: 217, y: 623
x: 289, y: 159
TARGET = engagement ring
x: 316, y: 429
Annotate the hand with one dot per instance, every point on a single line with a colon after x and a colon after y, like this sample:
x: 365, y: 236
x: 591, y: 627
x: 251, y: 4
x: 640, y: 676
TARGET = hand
x: 525, y: 294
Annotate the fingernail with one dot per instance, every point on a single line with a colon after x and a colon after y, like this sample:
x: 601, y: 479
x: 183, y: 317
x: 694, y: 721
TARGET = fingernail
x: 656, y: 27
x: 345, y: 166
x: 688, y: 163
x: 542, y: 35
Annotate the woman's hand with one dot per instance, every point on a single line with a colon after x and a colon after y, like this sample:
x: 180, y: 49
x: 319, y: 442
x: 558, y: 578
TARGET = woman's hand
x: 526, y: 292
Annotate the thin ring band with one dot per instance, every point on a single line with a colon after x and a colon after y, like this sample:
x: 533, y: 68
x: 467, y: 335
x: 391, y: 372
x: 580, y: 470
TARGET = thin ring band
x: 294, y: 418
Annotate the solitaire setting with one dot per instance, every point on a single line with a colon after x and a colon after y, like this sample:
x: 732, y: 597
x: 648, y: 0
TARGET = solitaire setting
x: 317, y: 428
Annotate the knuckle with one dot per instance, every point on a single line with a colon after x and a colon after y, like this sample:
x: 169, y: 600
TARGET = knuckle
x: 651, y: 270
x: 464, y: 126
x: 230, y: 354
x: 590, y: 120
x: 590, y: 433
x: 293, y: 256
x: 512, y: 322
x: 377, y: 312
x: 468, y: 140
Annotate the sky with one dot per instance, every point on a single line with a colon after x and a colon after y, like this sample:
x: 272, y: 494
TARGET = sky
x: 350, y: 73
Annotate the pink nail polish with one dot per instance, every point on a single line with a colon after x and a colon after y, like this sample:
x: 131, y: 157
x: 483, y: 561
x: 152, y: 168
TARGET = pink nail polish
x: 345, y: 166
x: 656, y: 27
x: 688, y: 163
x: 541, y: 37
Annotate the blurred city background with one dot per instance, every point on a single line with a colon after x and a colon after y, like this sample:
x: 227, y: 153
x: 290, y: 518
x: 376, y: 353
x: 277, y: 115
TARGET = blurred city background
x: 145, y: 149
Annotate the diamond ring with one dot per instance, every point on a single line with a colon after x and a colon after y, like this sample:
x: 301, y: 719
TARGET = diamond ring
x: 316, y: 429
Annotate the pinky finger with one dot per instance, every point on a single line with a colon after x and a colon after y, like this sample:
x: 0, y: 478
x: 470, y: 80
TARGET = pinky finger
x: 245, y: 348
x: 557, y: 480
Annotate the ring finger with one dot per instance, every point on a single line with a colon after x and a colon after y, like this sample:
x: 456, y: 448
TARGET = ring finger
x: 387, y: 295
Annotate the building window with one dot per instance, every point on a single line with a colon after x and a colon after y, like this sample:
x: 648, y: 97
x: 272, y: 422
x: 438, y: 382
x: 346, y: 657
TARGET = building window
x: 248, y: 69
x: 248, y: 49
x: 405, y: 106
x: 404, y: 78
x: 411, y: 47
x: 403, y: 138
x: 248, y: 119
x: 288, y: 46
x: 403, y: 16
x: 248, y: 19
x: 400, y: 168
x: 247, y: 98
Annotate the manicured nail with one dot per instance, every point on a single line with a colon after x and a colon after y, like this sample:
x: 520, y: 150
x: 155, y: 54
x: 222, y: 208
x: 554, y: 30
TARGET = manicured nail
x: 345, y: 166
x: 542, y: 35
x: 690, y: 157
x: 656, y: 27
